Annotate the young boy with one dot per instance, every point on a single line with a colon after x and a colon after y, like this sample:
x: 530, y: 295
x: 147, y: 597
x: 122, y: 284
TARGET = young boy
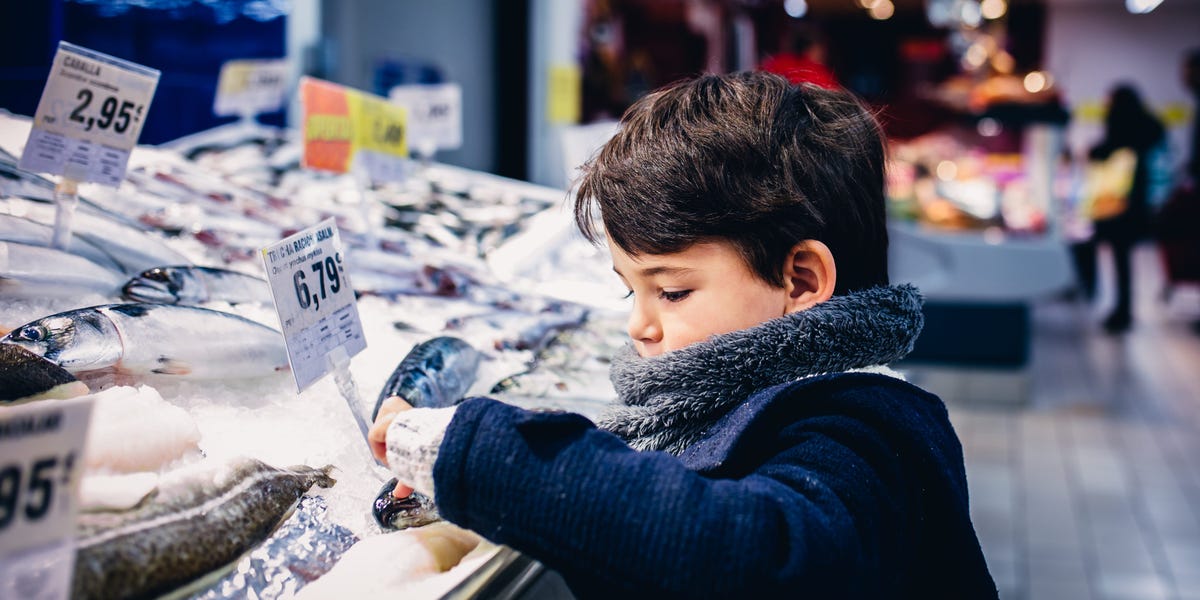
x: 760, y: 446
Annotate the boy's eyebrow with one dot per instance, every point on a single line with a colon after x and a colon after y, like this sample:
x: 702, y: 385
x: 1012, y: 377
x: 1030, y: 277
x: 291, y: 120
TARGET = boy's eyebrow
x: 659, y: 270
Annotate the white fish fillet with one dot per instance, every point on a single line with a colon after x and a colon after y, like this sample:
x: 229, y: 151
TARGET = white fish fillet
x: 394, y: 563
x: 134, y: 429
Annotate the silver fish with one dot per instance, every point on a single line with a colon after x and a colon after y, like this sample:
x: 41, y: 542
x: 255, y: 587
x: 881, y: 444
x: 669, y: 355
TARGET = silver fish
x: 15, y: 181
x: 521, y: 330
x: 134, y: 248
x: 436, y: 373
x: 198, y: 521
x: 145, y: 340
x: 25, y: 231
x: 36, y: 272
x: 184, y: 284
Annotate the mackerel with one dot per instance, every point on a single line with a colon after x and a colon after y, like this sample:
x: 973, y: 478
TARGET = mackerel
x: 25, y: 231
x: 435, y: 374
x: 32, y: 272
x: 185, y: 284
x: 146, y: 340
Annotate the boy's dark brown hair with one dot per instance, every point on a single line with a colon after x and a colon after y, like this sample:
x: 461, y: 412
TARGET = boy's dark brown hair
x: 750, y: 159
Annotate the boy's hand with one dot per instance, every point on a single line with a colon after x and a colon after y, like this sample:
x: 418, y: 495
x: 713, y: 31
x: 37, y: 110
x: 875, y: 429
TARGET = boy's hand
x: 377, y: 436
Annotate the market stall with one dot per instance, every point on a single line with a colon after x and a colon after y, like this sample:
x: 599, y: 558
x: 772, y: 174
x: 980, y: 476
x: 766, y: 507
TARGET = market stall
x: 171, y: 258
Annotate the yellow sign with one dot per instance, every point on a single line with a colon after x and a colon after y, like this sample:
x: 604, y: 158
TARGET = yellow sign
x: 564, y: 102
x: 252, y: 86
x: 379, y: 125
x: 344, y: 128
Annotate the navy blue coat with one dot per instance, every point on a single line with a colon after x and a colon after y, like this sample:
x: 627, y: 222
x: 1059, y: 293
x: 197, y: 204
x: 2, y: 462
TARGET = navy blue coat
x: 845, y: 485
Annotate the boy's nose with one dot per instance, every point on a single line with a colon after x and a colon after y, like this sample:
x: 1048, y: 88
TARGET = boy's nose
x: 643, y: 326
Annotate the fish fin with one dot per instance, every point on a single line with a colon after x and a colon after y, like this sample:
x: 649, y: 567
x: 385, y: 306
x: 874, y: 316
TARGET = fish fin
x: 170, y: 366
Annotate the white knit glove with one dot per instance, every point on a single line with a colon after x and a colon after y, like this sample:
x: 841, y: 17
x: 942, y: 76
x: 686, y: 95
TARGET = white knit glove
x: 413, y: 440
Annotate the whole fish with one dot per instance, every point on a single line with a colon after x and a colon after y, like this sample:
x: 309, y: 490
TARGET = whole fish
x: 32, y: 272
x: 27, y: 376
x: 184, y: 284
x: 521, y: 330
x: 435, y: 374
x: 133, y: 248
x: 301, y: 550
x: 25, y: 231
x: 17, y: 182
x: 144, y: 340
x: 202, y: 518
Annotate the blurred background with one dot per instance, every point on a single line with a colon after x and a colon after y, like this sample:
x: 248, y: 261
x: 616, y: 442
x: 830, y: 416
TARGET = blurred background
x: 1065, y: 341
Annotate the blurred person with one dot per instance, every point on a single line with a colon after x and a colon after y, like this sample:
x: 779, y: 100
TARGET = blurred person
x: 801, y: 60
x: 760, y: 446
x: 1191, y: 79
x: 1178, y: 223
x: 1127, y: 124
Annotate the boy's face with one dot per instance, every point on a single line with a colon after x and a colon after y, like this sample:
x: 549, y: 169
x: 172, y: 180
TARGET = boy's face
x: 685, y: 297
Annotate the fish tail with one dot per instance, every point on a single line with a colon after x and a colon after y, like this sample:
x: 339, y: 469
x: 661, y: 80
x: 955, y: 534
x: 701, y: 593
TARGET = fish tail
x: 313, y: 476
x: 323, y: 477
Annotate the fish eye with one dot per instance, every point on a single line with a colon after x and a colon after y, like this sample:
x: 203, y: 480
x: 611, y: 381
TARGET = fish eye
x: 158, y: 274
x: 32, y: 333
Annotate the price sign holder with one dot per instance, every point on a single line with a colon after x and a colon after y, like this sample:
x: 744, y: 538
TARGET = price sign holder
x: 434, y: 115
x: 41, y: 460
x: 310, y: 285
x: 348, y: 131
x: 88, y: 120
x: 248, y: 87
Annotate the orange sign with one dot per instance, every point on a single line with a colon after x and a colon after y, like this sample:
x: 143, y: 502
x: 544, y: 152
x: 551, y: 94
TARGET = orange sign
x: 328, y: 136
x: 345, y: 129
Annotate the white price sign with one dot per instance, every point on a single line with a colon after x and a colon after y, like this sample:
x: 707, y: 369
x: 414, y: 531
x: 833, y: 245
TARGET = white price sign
x: 314, y: 299
x: 89, y: 117
x: 434, y: 114
x: 41, y: 447
x: 250, y: 87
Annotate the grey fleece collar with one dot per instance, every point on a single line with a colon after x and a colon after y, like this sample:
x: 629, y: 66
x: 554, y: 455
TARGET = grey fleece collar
x: 667, y: 402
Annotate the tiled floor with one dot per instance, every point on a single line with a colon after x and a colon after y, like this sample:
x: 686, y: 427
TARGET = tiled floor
x: 1091, y: 490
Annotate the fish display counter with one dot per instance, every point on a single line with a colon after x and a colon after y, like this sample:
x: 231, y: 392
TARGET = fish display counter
x: 207, y: 474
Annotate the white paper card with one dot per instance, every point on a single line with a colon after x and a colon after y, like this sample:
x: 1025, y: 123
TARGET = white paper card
x: 314, y: 299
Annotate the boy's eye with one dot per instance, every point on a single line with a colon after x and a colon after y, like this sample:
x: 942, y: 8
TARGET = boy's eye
x: 628, y: 295
x: 674, y: 296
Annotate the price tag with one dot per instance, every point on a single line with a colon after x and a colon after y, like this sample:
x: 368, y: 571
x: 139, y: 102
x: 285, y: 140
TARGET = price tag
x: 89, y: 117
x: 434, y: 113
x: 314, y: 299
x: 41, y: 446
x: 250, y: 87
x: 345, y: 128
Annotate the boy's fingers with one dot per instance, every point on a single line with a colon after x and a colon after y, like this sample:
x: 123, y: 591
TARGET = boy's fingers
x: 379, y: 451
x: 393, y: 404
x: 377, y: 434
x: 401, y: 491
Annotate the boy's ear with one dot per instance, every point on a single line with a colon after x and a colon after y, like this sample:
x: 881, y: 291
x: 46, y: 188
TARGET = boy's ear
x: 809, y: 275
